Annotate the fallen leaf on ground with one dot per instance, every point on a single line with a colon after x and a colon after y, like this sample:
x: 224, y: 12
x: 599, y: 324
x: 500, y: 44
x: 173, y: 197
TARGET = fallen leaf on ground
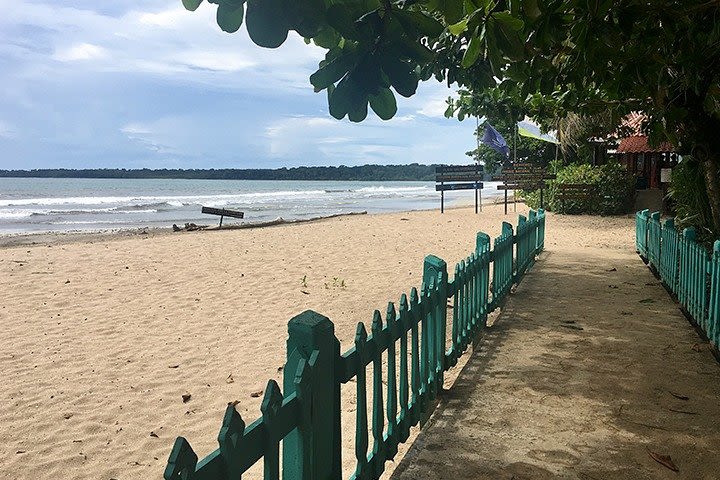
x: 234, y: 402
x: 303, y: 291
x: 280, y: 368
x: 173, y: 366
x: 154, y: 435
x: 664, y: 460
x: 697, y: 347
x: 682, y: 411
x: 256, y: 394
x: 19, y: 452
x: 613, y: 269
x: 678, y: 396
x: 186, y: 397
x: 67, y: 416
x: 229, y: 379
x: 574, y: 327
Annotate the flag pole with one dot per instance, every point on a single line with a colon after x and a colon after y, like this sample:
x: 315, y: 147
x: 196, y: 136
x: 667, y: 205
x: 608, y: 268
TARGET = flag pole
x: 514, y: 162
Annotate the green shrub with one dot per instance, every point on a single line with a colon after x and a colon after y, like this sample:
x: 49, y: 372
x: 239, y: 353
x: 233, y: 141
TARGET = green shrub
x: 690, y: 199
x: 614, y: 194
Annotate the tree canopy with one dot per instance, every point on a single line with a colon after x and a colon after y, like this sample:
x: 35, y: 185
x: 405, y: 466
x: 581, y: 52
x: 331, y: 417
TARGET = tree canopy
x: 543, y: 59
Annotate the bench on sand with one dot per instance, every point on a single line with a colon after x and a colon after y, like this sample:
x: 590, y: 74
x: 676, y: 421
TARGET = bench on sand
x: 223, y: 212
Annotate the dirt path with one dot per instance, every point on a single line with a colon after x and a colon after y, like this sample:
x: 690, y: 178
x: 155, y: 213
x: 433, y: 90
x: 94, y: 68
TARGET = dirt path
x: 589, y: 369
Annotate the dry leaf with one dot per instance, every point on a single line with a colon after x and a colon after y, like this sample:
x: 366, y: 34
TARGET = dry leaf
x: 697, y: 347
x: 173, y: 366
x: 229, y: 379
x: 612, y: 269
x: 256, y: 394
x: 154, y: 435
x: 678, y: 396
x: 664, y: 460
x: 186, y: 397
x: 67, y: 416
x: 280, y: 368
x: 234, y: 403
x: 305, y: 292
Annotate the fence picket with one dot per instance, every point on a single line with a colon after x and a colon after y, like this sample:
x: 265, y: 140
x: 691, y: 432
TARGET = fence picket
x: 391, y: 385
x: 361, y: 424
x: 404, y: 430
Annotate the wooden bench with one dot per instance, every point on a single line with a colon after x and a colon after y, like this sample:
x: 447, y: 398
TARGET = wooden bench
x: 223, y: 212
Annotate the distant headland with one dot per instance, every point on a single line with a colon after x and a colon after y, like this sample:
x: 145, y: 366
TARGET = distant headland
x: 410, y: 172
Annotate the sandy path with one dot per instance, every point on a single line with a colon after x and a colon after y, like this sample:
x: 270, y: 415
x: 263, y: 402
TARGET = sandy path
x: 580, y: 379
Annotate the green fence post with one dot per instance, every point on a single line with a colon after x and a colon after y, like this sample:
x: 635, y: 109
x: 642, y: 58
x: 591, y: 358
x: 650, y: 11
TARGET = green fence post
x: 482, y: 249
x: 714, y: 305
x: 320, y: 445
x: 436, y: 268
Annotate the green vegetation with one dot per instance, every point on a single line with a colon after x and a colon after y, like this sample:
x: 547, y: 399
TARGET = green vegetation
x: 515, y: 58
x: 614, y: 190
x: 690, y: 200
x: 411, y: 172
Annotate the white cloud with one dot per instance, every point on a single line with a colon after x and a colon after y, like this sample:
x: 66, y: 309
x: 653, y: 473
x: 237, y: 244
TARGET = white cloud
x: 209, y: 60
x: 7, y: 130
x: 80, y: 51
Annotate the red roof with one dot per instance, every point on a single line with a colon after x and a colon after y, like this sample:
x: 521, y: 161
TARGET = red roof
x: 639, y: 144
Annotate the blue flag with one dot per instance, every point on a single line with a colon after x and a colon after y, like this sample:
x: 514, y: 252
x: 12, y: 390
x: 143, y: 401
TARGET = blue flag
x: 494, y: 140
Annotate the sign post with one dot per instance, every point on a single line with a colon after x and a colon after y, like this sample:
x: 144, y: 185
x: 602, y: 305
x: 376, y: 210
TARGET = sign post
x: 459, y: 177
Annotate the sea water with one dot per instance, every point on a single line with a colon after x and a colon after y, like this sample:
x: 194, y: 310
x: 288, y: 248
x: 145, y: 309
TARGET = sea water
x: 57, y: 204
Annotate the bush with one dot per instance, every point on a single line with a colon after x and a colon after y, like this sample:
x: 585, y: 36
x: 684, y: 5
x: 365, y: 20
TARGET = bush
x: 614, y: 194
x: 690, y: 199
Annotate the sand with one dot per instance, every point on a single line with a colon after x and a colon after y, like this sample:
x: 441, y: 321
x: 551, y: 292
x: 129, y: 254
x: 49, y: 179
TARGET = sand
x: 104, y: 334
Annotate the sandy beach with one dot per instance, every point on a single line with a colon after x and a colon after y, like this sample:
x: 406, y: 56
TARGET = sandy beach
x: 105, y: 334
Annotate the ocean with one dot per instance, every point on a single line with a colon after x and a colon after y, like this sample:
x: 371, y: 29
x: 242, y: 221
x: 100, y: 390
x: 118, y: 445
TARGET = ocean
x: 29, y: 205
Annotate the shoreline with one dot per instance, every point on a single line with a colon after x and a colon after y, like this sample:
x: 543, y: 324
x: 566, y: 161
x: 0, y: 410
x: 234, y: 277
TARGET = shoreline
x: 59, y: 237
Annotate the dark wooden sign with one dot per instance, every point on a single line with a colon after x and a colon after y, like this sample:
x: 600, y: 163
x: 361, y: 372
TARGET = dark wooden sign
x: 459, y: 177
x: 523, y: 176
x: 223, y: 212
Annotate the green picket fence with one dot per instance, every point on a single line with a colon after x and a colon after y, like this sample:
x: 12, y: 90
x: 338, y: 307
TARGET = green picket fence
x: 641, y: 224
x: 686, y: 268
x: 413, y: 338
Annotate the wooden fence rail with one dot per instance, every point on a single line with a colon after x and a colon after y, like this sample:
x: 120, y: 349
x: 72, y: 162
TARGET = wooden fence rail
x: 307, y: 417
x: 686, y: 268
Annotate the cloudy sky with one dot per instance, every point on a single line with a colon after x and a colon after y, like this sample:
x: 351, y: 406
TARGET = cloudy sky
x: 129, y: 83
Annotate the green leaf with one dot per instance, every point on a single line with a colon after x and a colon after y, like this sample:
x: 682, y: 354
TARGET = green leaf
x: 416, y: 51
x: 342, y: 97
x: 452, y: 10
x: 401, y: 74
x: 358, y: 110
x: 507, y: 21
x: 458, y: 28
x: 427, y: 25
x: 332, y: 71
x: 531, y: 9
x: 383, y: 104
x: 230, y: 17
x: 191, y: 5
x: 472, y: 53
x: 266, y: 23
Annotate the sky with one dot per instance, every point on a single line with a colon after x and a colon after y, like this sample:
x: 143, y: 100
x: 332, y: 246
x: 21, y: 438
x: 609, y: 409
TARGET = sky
x: 134, y: 84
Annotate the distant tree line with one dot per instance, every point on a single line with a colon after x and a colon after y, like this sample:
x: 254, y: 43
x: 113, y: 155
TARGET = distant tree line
x: 409, y: 172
